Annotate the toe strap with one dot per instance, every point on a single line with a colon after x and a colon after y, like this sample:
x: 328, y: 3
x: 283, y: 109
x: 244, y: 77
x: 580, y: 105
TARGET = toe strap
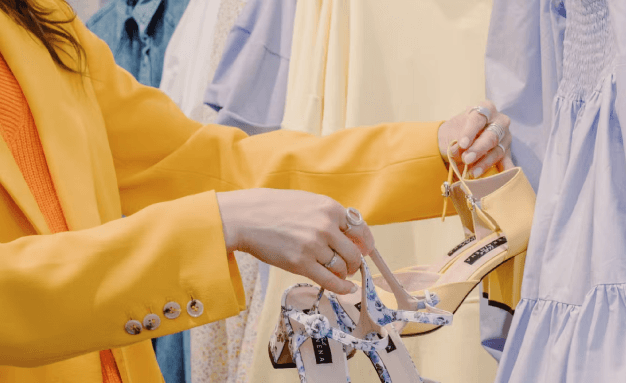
x: 317, y: 326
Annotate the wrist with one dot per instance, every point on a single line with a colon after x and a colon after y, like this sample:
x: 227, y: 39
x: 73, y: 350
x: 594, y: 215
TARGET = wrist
x: 227, y: 206
x: 442, y: 142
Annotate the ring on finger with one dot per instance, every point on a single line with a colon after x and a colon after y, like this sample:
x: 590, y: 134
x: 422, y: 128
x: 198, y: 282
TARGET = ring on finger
x: 485, y: 112
x: 353, y: 217
x: 502, y: 147
x: 333, y: 260
x: 498, y: 130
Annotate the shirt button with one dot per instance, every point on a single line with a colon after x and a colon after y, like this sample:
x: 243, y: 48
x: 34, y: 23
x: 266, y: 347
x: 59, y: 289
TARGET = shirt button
x: 151, y: 322
x: 133, y: 327
x: 171, y: 310
x: 195, y: 308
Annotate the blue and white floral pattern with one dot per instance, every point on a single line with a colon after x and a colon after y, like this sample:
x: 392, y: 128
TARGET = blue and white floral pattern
x: 383, y: 315
x: 317, y: 326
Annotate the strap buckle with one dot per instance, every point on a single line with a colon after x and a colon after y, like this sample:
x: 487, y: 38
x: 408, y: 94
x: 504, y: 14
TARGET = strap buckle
x: 445, y: 189
x: 472, y: 203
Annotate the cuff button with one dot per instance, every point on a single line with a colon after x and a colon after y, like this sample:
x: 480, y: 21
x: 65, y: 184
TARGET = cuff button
x: 195, y: 308
x: 171, y: 310
x: 133, y: 327
x: 151, y: 322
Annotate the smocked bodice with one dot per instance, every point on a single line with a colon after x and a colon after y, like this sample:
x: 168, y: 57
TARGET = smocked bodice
x: 588, y: 47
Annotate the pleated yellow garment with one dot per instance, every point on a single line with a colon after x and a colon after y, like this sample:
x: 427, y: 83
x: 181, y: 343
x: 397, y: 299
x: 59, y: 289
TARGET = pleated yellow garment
x: 363, y: 62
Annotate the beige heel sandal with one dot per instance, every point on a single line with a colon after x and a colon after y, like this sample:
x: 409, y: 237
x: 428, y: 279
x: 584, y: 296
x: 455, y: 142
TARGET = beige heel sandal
x: 501, y: 209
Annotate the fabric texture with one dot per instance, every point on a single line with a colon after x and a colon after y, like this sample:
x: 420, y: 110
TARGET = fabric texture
x: 17, y: 127
x: 114, y: 147
x: 250, y: 83
x: 567, y: 326
x: 355, y: 63
x: 138, y: 32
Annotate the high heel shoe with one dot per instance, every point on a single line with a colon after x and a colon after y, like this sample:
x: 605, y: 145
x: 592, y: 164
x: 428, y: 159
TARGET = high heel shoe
x: 322, y: 324
x: 501, y: 209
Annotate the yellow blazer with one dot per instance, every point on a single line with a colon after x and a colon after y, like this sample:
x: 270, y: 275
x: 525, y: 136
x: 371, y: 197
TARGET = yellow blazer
x: 116, y: 147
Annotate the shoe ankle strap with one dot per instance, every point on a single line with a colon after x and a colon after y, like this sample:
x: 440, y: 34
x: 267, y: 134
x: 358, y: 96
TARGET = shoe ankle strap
x: 473, y: 204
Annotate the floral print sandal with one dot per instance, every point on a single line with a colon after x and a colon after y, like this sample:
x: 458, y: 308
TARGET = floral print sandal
x: 383, y: 346
x: 309, y: 331
x: 393, y: 364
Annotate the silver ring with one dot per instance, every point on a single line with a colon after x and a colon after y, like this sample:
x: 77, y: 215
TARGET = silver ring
x: 482, y: 110
x: 354, y: 219
x: 498, y: 130
x: 354, y: 216
x: 502, y: 147
x: 332, y: 262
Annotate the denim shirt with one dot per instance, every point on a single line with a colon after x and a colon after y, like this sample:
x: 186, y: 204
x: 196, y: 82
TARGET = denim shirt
x: 138, y: 31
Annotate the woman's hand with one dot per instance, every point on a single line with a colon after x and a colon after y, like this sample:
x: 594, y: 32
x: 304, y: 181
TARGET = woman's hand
x: 296, y: 231
x: 477, y: 147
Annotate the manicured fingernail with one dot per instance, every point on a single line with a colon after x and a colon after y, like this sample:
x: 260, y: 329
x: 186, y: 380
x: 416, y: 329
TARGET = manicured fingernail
x: 477, y: 172
x: 464, y: 143
x: 353, y: 289
x: 468, y: 158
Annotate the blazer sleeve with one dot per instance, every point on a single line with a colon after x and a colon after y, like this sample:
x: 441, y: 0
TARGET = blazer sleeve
x: 71, y: 293
x: 390, y: 172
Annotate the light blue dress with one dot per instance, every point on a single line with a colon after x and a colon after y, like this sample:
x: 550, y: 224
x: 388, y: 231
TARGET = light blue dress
x: 558, y: 68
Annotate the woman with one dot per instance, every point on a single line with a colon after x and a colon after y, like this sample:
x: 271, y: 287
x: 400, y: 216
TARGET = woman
x: 84, y: 143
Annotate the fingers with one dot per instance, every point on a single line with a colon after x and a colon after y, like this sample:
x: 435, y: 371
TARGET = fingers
x: 325, y: 278
x: 348, y: 251
x: 486, y: 142
x: 339, y: 266
x: 507, y: 162
x: 474, y: 123
x: 362, y: 237
x: 490, y: 159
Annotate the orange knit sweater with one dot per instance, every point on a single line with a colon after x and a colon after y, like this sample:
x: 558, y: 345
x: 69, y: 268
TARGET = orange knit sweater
x: 18, y: 130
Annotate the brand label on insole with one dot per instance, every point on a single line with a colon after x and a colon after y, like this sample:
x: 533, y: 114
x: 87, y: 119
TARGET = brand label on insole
x: 358, y: 306
x: 484, y: 250
x: 322, y: 351
x: 460, y: 245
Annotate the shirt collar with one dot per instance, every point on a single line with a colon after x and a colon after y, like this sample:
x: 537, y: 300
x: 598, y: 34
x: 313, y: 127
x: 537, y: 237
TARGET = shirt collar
x: 143, y: 11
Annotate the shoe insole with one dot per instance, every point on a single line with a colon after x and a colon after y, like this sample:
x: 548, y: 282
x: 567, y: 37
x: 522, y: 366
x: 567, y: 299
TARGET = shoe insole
x: 324, y: 360
x: 430, y: 273
x: 467, y: 266
x: 471, y: 264
x: 448, y: 257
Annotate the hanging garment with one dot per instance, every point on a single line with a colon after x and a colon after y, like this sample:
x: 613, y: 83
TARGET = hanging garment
x: 361, y: 62
x: 138, y: 31
x: 85, y: 8
x: 188, y: 56
x: 250, y: 84
x: 570, y: 322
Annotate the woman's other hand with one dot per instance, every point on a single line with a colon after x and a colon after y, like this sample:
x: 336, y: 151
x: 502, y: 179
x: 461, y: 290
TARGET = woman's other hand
x: 477, y: 146
x: 296, y: 231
